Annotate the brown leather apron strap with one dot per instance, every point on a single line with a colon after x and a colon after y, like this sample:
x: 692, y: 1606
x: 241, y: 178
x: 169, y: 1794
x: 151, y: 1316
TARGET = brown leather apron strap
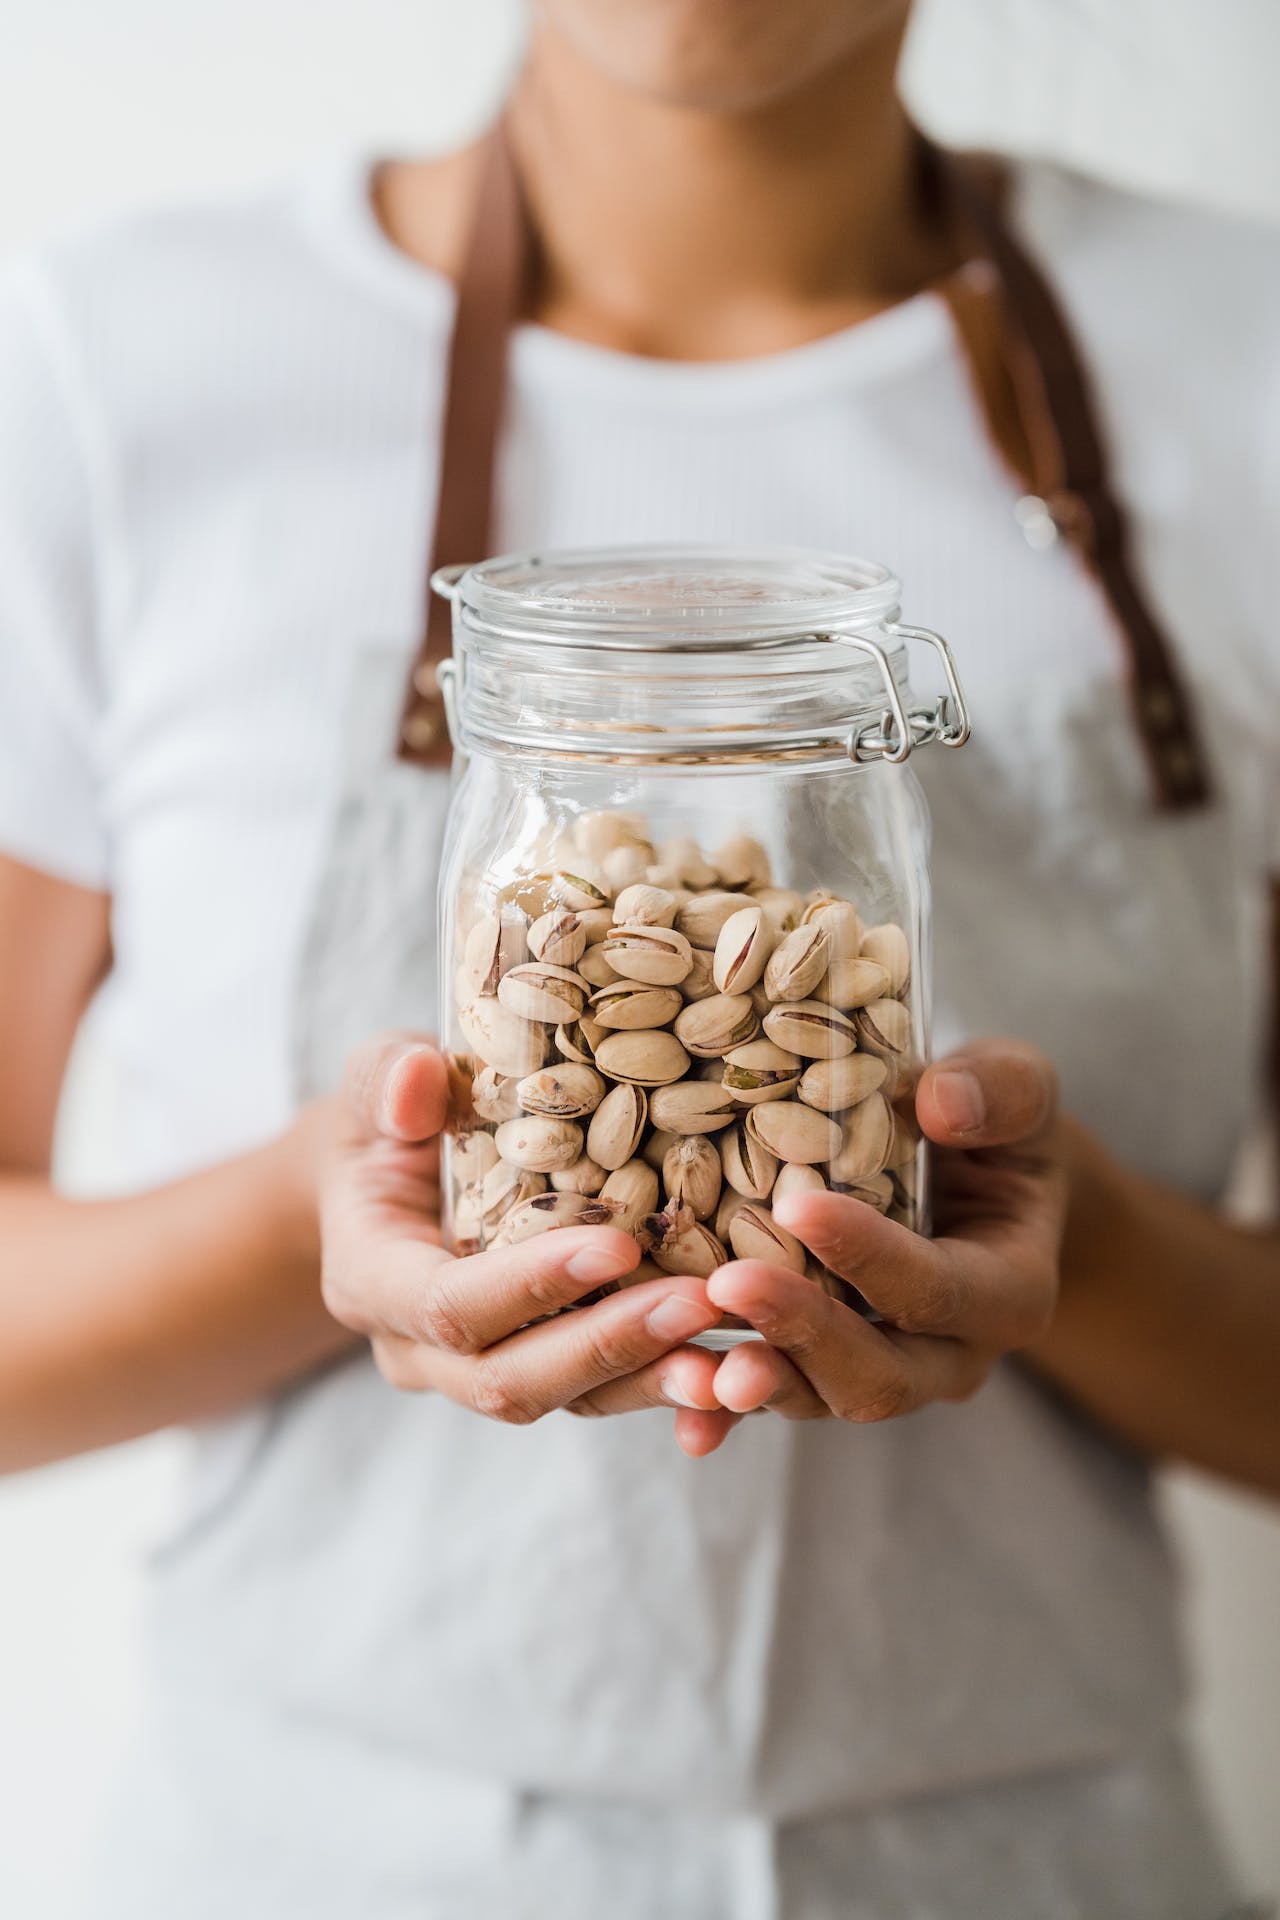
x: 491, y: 290
x: 1036, y: 396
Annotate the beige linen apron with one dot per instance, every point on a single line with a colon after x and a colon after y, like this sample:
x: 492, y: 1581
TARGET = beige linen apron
x: 922, y: 1669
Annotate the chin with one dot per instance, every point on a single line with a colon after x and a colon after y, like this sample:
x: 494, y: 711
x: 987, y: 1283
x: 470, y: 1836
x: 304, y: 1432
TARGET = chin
x: 726, y: 56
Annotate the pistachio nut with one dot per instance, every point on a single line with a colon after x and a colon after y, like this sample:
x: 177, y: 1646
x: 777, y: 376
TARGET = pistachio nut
x: 839, y: 919
x: 711, y: 1028
x: 584, y: 1176
x: 652, y: 1058
x: 548, y: 1210
x: 791, y: 1180
x: 749, y: 1167
x: 668, y: 879
x: 465, y: 1227
x: 629, y: 1005
x: 761, y: 1070
x: 506, y: 1186
x: 538, y: 1144
x: 659, y: 956
x: 699, y: 982
x: 647, y: 1270
x: 876, y: 1190
x: 616, y: 1126
x: 632, y: 1190
x: 493, y: 1096
x: 852, y: 982
x: 625, y: 865
x: 501, y: 1038
x: 692, y: 1106
x: 691, y: 1175
x: 644, y: 906
x: 594, y: 968
x: 731, y: 1205
x: 577, y: 891
x: 496, y: 943
x: 578, y: 1039
x: 833, y: 1085
x: 536, y: 991
x: 794, y: 1132
x: 678, y: 1243
x: 797, y: 964
x: 528, y: 892
x: 812, y: 1029
x: 700, y: 920
x: 564, y: 1091
x: 685, y: 857
x: 597, y: 833
x: 781, y: 907
x: 559, y: 938
x: 743, y: 862
x: 470, y: 1157
x: 598, y: 922
x: 887, y: 946
x: 754, y: 1234
x: 868, y: 1135
x: 884, y: 1028
x: 904, y: 1141
x: 742, y: 949
x: 657, y: 1147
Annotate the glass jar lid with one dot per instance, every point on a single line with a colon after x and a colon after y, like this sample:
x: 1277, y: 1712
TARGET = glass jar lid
x: 681, y: 654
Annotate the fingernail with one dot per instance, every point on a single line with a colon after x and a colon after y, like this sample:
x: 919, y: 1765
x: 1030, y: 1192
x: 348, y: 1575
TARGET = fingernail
x: 596, y: 1264
x: 676, y: 1318
x: 671, y: 1392
x: 387, y: 1120
x: 960, y: 1100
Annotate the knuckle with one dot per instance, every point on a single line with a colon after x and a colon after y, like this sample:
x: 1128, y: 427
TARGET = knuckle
x: 890, y: 1400
x: 440, y: 1319
x: 341, y: 1296
x: 397, y: 1363
x: 496, y: 1395
x: 970, y: 1379
x: 607, y: 1351
x: 937, y: 1301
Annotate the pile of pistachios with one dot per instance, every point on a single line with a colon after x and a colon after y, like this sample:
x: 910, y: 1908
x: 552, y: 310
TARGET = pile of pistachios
x: 665, y: 1042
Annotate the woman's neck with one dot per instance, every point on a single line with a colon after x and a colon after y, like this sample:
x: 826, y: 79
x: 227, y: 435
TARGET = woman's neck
x: 697, y: 235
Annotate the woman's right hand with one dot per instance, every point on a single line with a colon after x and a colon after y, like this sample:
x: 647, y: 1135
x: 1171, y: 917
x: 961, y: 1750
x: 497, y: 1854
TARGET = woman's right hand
x: 462, y: 1326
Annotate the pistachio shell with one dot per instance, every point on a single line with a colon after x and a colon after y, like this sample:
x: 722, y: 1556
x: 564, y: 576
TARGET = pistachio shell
x: 497, y: 942
x: 904, y: 1142
x: 597, y: 833
x: 559, y: 938
x: 749, y: 1167
x: 578, y: 891
x: 731, y: 1205
x: 536, y: 991
x: 538, y: 1144
x: 832, y: 1085
x: 743, y: 862
x: 653, y: 1058
x: 691, y: 1175
x: 792, y: 1179
x: 838, y: 920
x: 852, y: 982
x: 686, y: 859
x: 633, y: 1190
x: 760, y: 1071
x: 868, y: 1135
x: 657, y: 1147
x: 630, y: 1006
x: 501, y: 1038
x: 797, y: 964
x: 594, y: 968
x: 811, y: 1029
x: 876, y: 1190
x: 616, y: 1126
x: 644, y: 906
x: 562, y: 1092
x: 701, y: 919
x: 742, y: 949
x: 754, y: 1234
x: 598, y: 922
x: 470, y: 1157
x: 659, y: 956
x: 506, y: 1186
x: 584, y: 1176
x: 699, y: 982
x: 680, y: 1244
x: 625, y: 865
x: 528, y: 892
x: 883, y: 1028
x: 713, y: 1027
x: 887, y: 945
x: 692, y: 1106
x: 549, y: 1210
x: 794, y: 1132
x: 493, y: 1096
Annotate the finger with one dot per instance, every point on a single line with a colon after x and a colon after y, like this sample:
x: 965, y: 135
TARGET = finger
x: 699, y: 1434
x: 463, y: 1306
x: 681, y: 1379
x: 754, y: 1377
x: 996, y: 1289
x: 861, y: 1372
x: 396, y: 1084
x: 553, y: 1364
x: 993, y: 1094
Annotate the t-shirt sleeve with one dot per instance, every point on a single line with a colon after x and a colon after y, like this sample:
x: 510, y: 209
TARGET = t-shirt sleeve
x: 50, y: 688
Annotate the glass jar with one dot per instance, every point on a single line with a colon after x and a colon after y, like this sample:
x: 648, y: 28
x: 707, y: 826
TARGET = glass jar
x: 684, y: 899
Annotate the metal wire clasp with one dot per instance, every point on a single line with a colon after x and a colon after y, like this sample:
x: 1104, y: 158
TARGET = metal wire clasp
x: 899, y: 729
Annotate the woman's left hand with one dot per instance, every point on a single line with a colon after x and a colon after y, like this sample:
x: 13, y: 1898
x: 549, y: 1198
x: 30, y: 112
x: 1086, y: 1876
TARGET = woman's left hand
x: 952, y: 1305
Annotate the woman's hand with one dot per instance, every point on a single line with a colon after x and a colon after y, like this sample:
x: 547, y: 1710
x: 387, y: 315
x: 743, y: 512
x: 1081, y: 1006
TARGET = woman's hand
x: 953, y: 1305
x: 461, y: 1326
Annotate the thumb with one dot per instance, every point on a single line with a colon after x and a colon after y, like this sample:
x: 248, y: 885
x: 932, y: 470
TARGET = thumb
x: 996, y: 1093
x: 397, y: 1085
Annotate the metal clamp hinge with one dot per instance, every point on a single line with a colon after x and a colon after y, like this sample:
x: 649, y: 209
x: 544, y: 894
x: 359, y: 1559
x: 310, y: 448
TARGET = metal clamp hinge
x: 898, y: 730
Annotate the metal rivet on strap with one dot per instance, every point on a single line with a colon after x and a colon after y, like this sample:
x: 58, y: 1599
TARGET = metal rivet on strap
x: 1159, y: 707
x: 1039, y: 528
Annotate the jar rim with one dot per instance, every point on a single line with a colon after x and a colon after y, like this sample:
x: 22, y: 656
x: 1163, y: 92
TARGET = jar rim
x: 672, y: 598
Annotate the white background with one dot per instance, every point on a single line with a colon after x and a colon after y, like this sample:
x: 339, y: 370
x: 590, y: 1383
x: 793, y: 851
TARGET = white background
x: 101, y: 106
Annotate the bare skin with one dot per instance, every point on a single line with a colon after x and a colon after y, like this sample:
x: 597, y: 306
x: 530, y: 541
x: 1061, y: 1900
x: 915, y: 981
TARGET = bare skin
x: 709, y: 181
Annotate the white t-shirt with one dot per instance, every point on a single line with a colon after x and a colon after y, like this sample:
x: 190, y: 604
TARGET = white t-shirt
x: 217, y: 465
